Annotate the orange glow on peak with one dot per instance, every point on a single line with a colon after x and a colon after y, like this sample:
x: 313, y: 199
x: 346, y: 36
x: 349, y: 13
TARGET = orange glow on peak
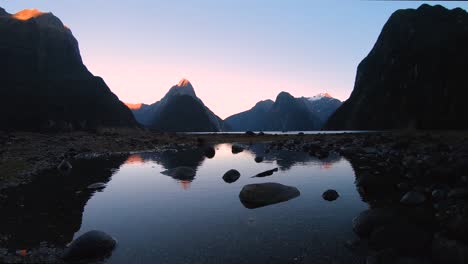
x: 134, y: 106
x: 183, y: 82
x: 27, y: 14
x: 326, y: 166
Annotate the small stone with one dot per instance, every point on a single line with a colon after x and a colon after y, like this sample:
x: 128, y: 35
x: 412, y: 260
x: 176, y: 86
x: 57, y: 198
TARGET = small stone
x: 330, y: 195
x: 236, y: 149
x: 258, y: 159
x: 96, y: 186
x: 91, y: 245
x: 231, y: 176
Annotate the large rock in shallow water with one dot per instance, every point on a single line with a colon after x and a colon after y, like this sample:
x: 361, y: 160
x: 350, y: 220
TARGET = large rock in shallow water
x: 91, y: 245
x: 231, y: 176
x: 44, y: 83
x: 263, y: 194
x: 414, y: 77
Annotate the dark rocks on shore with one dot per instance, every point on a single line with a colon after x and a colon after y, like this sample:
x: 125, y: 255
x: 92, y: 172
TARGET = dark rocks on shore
x: 91, y: 245
x: 330, y: 195
x: 236, y: 149
x: 231, y: 176
x: 367, y: 221
x: 266, y: 173
x: 181, y: 173
x: 401, y: 236
x: 458, y: 193
x: 413, y: 198
x: 263, y: 194
x: 250, y: 133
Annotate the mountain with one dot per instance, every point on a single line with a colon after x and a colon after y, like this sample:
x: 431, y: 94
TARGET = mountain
x: 286, y: 113
x: 414, y: 77
x: 180, y: 110
x: 322, y: 105
x: 44, y: 83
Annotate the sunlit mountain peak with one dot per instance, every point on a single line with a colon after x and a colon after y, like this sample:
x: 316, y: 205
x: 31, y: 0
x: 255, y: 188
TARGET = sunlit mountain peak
x: 184, y: 83
x: 134, y: 106
x: 27, y: 14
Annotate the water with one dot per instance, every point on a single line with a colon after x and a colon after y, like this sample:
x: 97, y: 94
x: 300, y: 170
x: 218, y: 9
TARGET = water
x: 159, y: 219
x: 316, y: 132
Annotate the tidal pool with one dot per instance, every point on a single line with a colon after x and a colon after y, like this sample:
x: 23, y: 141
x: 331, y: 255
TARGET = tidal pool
x: 160, y: 219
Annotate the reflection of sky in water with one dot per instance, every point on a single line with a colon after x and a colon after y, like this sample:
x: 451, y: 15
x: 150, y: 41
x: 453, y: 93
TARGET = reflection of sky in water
x: 158, y: 219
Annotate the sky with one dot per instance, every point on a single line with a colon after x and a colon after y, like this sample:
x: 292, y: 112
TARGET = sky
x: 234, y: 52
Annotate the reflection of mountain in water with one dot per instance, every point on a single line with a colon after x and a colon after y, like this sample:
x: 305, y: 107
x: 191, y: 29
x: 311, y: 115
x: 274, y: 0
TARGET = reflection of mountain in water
x: 171, y: 159
x: 51, y: 207
x: 286, y: 159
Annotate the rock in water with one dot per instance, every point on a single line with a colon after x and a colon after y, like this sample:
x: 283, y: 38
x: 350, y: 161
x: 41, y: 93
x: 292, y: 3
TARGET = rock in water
x: 367, y: 221
x: 231, y: 176
x: 263, y: 194
x: 258, y: 159
x: 209, y: 152
x: 96, y: 186
x: 266, y: 173
x: 236, y: 149
x: 91, y: 245
x: 181, y: 173
x: 413, y: 198
x: 330, y: 195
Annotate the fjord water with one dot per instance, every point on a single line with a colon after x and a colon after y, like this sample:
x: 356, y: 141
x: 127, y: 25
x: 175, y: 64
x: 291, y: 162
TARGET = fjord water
x: 159, y: 219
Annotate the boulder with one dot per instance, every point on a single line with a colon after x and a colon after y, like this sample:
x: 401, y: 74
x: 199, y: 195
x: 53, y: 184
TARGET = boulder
x: 370, y: 219
x: 330, y: 195
x: 231, y: 176
x: 258, y: 159
x: 236, y: 149
x: 413, y: 198
x: 209, y: 152
x: 263, y: 194
x: 91, y: 245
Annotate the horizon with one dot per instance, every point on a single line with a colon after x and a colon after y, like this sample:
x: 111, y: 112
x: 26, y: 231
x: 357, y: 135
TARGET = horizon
x: 234, y: 58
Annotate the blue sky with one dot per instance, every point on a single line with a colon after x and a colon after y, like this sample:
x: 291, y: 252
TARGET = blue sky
x: 235, y: 53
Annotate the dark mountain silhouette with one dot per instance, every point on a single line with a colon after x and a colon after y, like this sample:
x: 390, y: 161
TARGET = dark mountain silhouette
x: 180, y: 110
x: 286, y: 113
x: 414, y: 77
x: 322, y: 105
x: 252, y: 119
x: 44, y: 83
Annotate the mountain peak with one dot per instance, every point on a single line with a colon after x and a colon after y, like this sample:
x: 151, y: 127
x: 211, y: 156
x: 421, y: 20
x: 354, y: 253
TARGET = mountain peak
x: 184, y: 83
x: 320, y: 96
x: 27, y: 14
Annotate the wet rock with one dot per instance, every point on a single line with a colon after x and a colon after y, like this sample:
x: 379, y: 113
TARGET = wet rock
x: 330, y: 195
x: 231, y: 176
x: 258, y: 159
x: 266, y: 173
x: 236, y: 149
x: 458, y: 193
x: 209, y: 152
x: 91, y: 245
x: 413, y: 198
x: 97, y: 186
x: 181, y: 173
x: 368, y: 220
x: 64, y: 165
x: 263, y: 194
x: 438, y: 194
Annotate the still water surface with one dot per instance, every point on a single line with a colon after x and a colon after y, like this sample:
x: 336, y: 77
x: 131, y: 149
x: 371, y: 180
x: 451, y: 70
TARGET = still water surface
x: 159, y: 219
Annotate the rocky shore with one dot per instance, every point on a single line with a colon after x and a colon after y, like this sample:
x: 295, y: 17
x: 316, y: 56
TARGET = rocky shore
x: 416, y: 183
